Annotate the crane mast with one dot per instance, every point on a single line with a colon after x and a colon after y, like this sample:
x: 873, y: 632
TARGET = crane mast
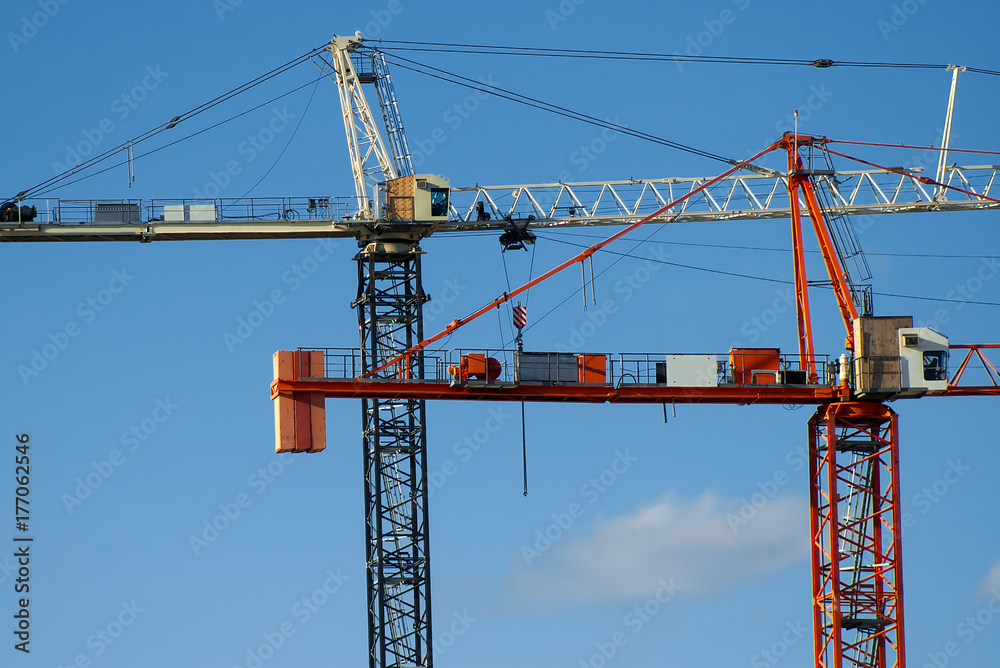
x: 389, y: 305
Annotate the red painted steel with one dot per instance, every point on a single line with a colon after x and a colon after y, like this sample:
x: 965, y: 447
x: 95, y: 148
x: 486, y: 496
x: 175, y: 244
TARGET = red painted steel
x: 856, y: 529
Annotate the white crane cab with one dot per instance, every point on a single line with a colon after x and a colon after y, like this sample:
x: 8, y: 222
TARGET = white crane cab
x: 895, y: 359
x: 923, y: 354
x: 419, y: 198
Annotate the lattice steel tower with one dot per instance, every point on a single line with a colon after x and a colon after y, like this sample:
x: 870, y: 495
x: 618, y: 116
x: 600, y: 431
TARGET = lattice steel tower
x: 389, y: 304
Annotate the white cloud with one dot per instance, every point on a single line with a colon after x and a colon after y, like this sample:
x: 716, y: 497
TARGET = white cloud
x: 693, y: 543
x: 991, y: 582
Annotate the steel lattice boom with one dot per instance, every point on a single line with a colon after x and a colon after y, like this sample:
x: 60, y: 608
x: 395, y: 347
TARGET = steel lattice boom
x: 551, y: 205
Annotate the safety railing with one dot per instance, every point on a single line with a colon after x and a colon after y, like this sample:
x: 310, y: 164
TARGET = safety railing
x: 252, y: 208
x: 347, y: 363
x: 187, y: 210
x: 747, y: 368
x: 877, y: 373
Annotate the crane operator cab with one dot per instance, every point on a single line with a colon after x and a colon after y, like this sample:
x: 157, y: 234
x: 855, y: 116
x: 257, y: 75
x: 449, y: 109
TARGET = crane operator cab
x: 924, y: 355
x: 894, y: 358
x: 417, y: 197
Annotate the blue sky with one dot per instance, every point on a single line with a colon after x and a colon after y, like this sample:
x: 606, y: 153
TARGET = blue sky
x: 147, y: 399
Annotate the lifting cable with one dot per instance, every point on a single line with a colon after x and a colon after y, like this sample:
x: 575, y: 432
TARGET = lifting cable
x: 524, y: 433
x: 500, y: 50
x: 506, y: 275
x: 49, y: 184
x: 562, y: 232
x: 621, y: 256
x: 919, y: 148
x: 822, y: 284
x: 506, y: 94
x: 926, y: 180
x: 288, y: 143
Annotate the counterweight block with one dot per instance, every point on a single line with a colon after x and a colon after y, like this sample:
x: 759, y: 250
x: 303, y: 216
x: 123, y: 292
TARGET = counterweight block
x: 299, y: 417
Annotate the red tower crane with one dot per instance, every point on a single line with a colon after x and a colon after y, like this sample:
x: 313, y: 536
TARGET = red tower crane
x: 853, y: 439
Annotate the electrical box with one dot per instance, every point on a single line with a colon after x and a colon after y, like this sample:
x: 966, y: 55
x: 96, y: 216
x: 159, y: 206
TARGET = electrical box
x: 546, y: 368
x: 117, y: 214
x: 419, y: 198
x: 593, y: 368
x: 691, y: 371
x: 189, y: 213
x: 755, y: 366
x: 923, y: 355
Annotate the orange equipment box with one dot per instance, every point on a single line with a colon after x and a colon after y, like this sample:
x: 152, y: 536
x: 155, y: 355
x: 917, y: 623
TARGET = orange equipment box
x: 299, y: 417
x: 592, y: 368
x: 755, y: 365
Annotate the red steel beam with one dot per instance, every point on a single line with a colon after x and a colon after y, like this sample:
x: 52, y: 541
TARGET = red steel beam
x: 577, y: 393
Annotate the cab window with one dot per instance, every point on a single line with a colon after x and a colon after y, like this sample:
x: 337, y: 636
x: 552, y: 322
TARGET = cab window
x: 439, y: 202
x: 936, y: 365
